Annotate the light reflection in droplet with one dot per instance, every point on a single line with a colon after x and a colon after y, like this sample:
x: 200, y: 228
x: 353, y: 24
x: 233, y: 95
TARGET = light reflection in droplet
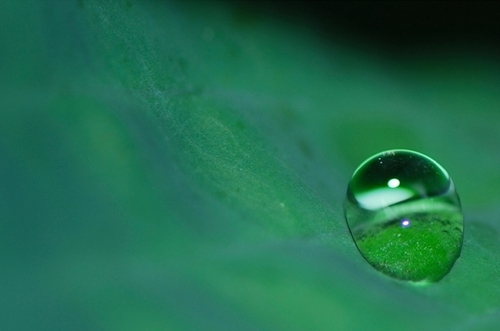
x: 393, y: 183
x: 405, y: 223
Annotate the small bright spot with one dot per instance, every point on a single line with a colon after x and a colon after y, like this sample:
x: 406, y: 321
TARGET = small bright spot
x: 405, y: 223
x: 393, y: 183
x: 282, y: 205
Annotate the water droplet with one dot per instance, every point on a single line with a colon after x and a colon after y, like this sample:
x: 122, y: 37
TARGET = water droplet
x: 404, y: 215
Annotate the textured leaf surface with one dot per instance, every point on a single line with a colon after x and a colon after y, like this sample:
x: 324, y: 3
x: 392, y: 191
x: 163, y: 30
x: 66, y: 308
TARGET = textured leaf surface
x: 182, y: 165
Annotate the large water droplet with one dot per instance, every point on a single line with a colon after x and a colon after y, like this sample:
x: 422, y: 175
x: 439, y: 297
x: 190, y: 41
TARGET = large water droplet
x: 404, y: 215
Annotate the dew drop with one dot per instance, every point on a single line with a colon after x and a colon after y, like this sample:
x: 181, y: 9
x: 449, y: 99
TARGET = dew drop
x: 404, y: 215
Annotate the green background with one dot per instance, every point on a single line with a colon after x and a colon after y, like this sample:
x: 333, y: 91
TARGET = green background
x: 182, y: 166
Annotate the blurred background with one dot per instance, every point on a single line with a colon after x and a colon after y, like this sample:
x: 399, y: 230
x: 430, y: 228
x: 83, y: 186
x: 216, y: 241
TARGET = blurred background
x: 395, y: 27
x: 181, y: 165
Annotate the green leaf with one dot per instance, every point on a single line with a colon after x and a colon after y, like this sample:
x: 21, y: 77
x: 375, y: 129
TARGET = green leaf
x: 182, y: 165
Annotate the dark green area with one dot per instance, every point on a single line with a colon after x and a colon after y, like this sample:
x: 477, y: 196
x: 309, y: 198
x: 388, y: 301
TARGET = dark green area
x: 415, y: 172
x: 182, y: 166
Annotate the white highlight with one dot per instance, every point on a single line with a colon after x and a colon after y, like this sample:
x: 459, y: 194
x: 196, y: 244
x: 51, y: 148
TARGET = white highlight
x: 383, y: 197
x: 393, y: 183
